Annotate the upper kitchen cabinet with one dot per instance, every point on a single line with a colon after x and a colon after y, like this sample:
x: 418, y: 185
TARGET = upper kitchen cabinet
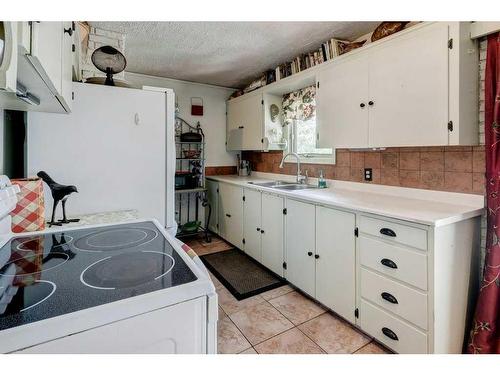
x: 245, y: 123
x: 44, y: 74
x: 408, y: 96
x: 341, y: 105
x: 416, y: 88
x: 254, y: 123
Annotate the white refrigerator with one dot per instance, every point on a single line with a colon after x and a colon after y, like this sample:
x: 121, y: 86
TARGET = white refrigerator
x: 116, y: 146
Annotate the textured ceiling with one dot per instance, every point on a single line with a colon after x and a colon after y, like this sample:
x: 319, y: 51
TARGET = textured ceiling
x: 223, y: 53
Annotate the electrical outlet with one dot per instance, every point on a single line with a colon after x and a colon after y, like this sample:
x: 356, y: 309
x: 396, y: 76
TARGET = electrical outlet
x: 368, y: 174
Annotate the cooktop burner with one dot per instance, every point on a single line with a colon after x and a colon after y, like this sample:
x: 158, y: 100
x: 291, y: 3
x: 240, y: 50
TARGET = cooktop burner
x: 19, y: 299
x: 127, y: 270
x: 90, y: 267
x: 115, y: 239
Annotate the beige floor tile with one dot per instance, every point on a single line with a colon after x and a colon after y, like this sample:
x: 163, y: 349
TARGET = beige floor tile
x: 260, y: 322
x: 201, y: 247
x: 270, y: 294
x: 216, y: 281
x: 222, y: 314
x: 229, y: 339
x: 373, y: 348
x: 230, y: 305
x: 297, y: 308
x: 289, y: 342
x: 249, y: 351
x: 333, y: 334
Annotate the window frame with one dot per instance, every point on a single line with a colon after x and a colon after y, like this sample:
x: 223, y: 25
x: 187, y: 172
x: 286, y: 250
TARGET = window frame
x: 312, y: 158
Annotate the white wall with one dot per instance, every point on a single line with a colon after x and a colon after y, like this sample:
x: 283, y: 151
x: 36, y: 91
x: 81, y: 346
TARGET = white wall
x: 213, y: 121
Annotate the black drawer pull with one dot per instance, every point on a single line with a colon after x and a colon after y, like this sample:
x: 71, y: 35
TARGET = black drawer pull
x: 389, y: 297
x: 228, y: 215
x: 362, y: 105
x: 387, y: 232
x: 390, y: 333
x: 316, y: 256
x: 262, y: 231
x: 310, y: 253
x: 389, y: 263
x: 258, y: 229
x: 241, y: 127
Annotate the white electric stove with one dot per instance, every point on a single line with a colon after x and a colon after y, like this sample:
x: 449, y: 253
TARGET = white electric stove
x: 118, y: 288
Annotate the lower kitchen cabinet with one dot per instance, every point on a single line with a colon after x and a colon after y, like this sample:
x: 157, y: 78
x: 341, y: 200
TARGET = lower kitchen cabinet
x: 336, y: 261
x: 252, y: 218
x: 231, y: 214
x: 263, y: 229
x: 272, y: 232
x: 406, y: 284
x: 320, y: 255
x: 300, y: 245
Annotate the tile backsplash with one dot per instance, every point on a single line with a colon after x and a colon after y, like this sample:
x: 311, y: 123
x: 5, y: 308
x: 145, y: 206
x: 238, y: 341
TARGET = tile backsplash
x: 449, y: 168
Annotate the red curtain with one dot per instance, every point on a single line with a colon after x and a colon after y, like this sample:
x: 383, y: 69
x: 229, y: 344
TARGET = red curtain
x: 485, y: 333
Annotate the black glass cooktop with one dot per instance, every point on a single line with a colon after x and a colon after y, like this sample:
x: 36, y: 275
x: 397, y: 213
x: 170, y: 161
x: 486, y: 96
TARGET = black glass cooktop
x: 54, y: 274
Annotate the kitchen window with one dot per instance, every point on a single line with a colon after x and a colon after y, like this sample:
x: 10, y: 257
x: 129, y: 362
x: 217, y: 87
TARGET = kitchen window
x: 299, y: 112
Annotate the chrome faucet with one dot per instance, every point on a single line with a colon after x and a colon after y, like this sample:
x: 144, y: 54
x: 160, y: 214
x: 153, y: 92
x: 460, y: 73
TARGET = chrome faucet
x: 300, y: 179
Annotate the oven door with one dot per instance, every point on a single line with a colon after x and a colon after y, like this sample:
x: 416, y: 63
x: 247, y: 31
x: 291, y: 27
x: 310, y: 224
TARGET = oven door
x: 8, y: 56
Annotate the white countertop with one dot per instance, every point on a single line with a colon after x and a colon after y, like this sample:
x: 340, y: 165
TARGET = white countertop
x: 428, y: 207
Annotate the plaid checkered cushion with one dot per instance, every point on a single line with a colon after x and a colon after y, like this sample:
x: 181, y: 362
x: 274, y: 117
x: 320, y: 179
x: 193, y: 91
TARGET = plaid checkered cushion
x: 29, y: 214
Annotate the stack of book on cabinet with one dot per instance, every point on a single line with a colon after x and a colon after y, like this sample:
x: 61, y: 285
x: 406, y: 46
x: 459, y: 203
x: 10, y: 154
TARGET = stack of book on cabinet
x: 327, y: 51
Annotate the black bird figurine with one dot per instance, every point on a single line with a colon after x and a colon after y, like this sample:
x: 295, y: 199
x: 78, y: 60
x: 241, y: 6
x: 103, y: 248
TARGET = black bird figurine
x: 59, y: 193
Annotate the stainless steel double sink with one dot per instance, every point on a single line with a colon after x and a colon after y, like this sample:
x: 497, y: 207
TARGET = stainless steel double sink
x: 284, y: 185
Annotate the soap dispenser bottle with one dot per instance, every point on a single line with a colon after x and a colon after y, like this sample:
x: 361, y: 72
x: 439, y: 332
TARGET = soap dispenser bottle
x: 321, y: 180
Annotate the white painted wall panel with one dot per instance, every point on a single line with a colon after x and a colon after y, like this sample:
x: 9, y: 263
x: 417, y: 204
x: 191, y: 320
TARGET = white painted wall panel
x: 114, y: 163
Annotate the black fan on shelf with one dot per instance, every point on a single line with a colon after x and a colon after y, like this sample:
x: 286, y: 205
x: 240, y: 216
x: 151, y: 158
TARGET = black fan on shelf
x: 110, y: 61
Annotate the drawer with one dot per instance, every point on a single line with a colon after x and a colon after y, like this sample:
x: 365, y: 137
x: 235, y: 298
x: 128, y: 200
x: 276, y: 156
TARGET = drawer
x: 394, y: 232
x: 411, y: 266
x: 405, y: 338
x: 395, y: 297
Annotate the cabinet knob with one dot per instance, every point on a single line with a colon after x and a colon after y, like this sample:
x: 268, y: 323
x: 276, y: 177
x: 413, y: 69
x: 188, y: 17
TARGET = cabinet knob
x: 258, y: 229
x: 389, y: 263
x: 309, y: 253
x: 389, y: 298
x: 362, y: 105
x: 371, y: 102
x: 228, y: 215
x: 241, y: 127
x: 390, y: 333
x: 69, y: 30
x: 316, y: 256
x: 262, y: 231
x: 387, y: 232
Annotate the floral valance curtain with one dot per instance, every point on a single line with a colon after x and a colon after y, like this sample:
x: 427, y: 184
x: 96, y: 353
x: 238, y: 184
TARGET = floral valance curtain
x: 299, y: 105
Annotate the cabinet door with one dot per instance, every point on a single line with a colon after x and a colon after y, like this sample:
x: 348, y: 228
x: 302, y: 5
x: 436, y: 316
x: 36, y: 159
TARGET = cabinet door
x: 409, y: 89
x: 252, y: 224
x: 231, y: 213
x: 46, y: 48
x: 245, y: 123
x: 272, y: 237
x: 335, y: 265
x: 213, y: 200
x: 342, y: 108
x: 300, y: 236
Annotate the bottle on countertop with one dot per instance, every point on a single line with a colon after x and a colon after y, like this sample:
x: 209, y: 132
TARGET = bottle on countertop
x: 321, y: 180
